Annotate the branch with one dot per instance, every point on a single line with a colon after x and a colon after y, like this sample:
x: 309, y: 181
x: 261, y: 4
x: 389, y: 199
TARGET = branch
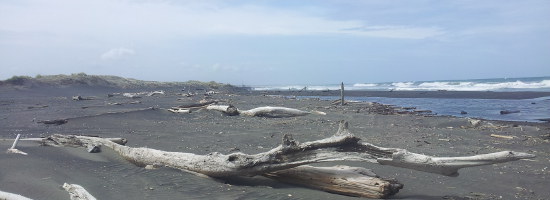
x: 11, y: 196
x: 12, y: 149
x: 77, y: 192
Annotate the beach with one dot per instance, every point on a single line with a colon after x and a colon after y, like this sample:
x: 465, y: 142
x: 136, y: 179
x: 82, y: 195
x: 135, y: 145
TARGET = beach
x: 145, y: 122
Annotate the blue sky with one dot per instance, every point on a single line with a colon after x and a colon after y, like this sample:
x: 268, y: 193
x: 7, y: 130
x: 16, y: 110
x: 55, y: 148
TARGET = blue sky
x: 277, y: 42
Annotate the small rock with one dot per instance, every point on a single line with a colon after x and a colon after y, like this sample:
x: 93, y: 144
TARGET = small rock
x: 505, y: 112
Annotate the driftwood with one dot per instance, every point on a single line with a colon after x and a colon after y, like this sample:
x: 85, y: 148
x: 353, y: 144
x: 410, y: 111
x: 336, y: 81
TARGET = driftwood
x: 342, y: 101
x: 343, y: 146
x: 64, y: 121
x: 201, y: 104
x: 11, y: 196
x: 502, y: 136
x: 77, y: 192
x: 12, y: 149
x: 351, y: 181
x: 267, y: 111
x: 55, y: 121
x: 179, y: 110
x: 80, y: 98
x: 188, y: 107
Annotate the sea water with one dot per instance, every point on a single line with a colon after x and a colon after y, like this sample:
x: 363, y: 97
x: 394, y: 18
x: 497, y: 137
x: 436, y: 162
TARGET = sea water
x: 530, y: 110
x: 497, y: 84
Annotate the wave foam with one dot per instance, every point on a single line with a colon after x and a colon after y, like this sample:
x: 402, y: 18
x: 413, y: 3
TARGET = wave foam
x: 473, y: 86
x: 365, y: 85
x: 520, y: 84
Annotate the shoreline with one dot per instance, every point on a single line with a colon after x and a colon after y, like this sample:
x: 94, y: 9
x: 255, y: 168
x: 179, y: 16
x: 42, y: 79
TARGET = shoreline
x: 414, y: 94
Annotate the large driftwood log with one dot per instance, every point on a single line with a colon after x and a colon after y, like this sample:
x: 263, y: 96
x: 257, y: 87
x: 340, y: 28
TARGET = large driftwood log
x: 351, y: 181
x: 267, y: 111
x: 283, y: 162
x: 343, y: 146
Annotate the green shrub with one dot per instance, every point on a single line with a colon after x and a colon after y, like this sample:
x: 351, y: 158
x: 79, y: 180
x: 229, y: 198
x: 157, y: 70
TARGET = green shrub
x: 18, y: 80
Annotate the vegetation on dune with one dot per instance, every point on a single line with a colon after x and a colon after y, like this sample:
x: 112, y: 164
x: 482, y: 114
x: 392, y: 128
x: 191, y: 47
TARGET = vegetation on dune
x: 82, y: 79
x: 17, y: 80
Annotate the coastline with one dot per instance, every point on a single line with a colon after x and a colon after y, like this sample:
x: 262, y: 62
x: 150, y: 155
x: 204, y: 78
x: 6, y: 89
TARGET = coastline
x: 414, y: 94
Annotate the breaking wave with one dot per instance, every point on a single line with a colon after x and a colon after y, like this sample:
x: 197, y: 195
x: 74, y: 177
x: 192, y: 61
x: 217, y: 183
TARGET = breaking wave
x: 502, y: 84
x: 475, y: 86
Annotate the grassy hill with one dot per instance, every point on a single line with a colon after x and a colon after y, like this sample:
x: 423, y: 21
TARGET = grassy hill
x: 82, y: 79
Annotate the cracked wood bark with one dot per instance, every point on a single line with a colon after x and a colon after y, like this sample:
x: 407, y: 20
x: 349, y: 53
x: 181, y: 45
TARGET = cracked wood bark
x: 351, y: 181
x: 343, y: 146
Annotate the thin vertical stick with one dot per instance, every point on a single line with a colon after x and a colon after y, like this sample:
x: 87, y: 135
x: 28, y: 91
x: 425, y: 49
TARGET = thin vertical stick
x: 15, y: 142
x: 342, y: 93
x: 13, y: 149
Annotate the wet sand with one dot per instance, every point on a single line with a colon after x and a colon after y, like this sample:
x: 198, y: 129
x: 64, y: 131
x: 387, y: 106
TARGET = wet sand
x: 40, y: 174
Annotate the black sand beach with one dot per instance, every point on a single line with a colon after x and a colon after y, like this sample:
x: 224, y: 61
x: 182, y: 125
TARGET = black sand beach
x: 145, y: 123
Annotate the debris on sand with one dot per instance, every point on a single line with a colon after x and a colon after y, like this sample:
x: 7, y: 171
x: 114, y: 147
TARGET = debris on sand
x: 55, y: 121
x: 80, y: 98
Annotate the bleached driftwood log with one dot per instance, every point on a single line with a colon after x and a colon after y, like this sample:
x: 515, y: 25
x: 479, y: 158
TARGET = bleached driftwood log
x: 188, y: 107
x: 267, y: 111
x: 77, y: 192
x: 11, y: 196
x: 179, y: 110
x: 200, y: 104
x: 228, y: 110
x: 12, y: 149
x: 351, y: 181
x: 343, y: 146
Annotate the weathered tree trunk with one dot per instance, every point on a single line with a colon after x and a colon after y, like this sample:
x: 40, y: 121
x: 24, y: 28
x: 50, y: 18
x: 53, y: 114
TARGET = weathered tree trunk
x: 269, y: 111
x: 266, y: 111
x: 343, y: 146
x: 277, y: 162
x: 346, y: 180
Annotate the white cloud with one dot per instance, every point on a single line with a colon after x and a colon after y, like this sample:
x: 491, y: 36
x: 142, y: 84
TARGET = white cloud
x: 117, y: 53
x: 146, y: 20
x: 399, y: 32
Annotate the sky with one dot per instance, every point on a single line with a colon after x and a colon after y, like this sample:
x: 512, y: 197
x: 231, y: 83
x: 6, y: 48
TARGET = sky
x: 277, y: 42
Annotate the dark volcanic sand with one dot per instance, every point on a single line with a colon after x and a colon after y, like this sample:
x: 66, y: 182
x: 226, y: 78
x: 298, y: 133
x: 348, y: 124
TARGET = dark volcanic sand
x: 107, y: 176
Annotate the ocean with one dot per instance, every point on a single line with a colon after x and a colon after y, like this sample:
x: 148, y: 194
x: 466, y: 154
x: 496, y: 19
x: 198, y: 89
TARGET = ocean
x: 496, y: 84
x: 530, y: 110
